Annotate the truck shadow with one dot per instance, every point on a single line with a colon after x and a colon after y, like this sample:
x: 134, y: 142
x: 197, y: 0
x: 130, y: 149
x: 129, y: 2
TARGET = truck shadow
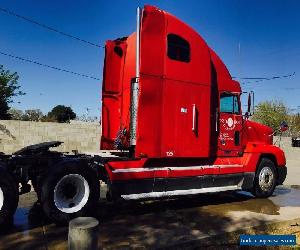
x: 171, y: 223
x: 225, y: 202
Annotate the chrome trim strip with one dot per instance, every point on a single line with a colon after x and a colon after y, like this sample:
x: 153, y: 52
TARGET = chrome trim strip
x: 179, y: 192
x: 136, y: 170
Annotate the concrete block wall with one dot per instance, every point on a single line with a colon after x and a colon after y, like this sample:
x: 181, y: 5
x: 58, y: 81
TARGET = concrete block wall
x: 84, y: 137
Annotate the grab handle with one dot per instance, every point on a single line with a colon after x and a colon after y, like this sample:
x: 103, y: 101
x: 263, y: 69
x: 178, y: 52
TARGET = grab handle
x: 194, y: 118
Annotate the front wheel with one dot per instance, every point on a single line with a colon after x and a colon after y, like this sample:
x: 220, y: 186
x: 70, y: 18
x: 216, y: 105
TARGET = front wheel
x: 265, y: 179
x: 71, y: 190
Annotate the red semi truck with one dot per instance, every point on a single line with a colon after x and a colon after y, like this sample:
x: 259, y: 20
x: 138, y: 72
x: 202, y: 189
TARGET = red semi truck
x: 173, y: 112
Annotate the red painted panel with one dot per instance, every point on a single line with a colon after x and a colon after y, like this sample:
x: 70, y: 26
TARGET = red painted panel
x: 260, y: 148
x: 115, y: 52
x: 141, y: 169
x: 229, y: 125
x: 255, y: 132
x: 128, y: 75
x: 198, y: 69
x: 114, y: 165
x: 110, y: 120
x: 150, y: 115
x: 118, y: 71
x: 250, y: 161
x: 184, y: 107
x: 169, y: 89
x: 153, y: 42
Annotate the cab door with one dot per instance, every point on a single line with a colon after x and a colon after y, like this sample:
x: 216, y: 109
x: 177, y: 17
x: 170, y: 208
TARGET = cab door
x: 185, y: 127
x: 230, y: 125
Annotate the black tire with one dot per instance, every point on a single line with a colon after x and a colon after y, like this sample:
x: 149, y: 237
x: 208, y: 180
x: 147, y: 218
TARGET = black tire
x: 265, y: 179
x: 53, y: 188
x: 37, y: 189
x: 9, y: 197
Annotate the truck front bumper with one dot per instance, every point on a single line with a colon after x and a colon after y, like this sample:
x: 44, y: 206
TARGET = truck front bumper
x: 281, y: 174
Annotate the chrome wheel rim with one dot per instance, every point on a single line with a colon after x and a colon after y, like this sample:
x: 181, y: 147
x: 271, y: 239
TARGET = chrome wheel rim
x: 266, y: 178
x: 71, y: 193
x: 1, y: 198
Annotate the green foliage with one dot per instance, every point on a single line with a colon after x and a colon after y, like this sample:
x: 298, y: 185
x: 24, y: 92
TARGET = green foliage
x: 4, y: 114
x: 271, y: 113
x: 32, y: 115
x: 16, y: 114
x: 9, y: 88
x: 47, y: 118
x: 29, y: 114
x: 61, y: 113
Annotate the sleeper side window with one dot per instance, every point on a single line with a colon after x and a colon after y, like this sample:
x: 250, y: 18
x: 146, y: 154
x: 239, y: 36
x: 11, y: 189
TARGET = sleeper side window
x: 229, y: 103
x: 178, y: 48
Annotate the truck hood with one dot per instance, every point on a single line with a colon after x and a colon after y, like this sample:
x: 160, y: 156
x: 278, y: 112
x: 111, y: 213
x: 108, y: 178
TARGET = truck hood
x: 257, y: 133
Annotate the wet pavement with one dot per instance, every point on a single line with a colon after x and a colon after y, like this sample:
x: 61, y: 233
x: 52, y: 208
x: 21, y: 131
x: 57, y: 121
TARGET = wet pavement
x: 158, y: 224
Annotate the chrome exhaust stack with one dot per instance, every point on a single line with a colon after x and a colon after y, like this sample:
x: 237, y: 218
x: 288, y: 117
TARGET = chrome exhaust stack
x: 135, y: 87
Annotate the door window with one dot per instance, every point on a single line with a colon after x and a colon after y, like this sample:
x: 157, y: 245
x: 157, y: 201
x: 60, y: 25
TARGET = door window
x: 229, y: 103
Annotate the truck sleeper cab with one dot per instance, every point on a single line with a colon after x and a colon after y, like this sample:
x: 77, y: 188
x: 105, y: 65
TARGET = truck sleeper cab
x: 191, y: 136
x: 173, y: 113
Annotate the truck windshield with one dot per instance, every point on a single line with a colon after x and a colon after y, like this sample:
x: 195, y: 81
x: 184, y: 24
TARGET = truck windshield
x: 229, y: 103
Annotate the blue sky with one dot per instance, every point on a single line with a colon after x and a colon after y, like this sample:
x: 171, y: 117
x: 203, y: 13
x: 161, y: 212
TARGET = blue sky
x: 268, y: 33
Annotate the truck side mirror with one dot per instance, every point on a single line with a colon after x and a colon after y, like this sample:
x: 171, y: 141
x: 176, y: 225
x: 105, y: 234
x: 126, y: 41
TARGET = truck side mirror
x: 249, y: 104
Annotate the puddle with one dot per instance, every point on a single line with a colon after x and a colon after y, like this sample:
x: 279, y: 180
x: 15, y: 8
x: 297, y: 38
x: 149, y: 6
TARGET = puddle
x: 26, y: 219
x: 280, y: 190
x: 283, y: 197
x: 21, y: 222
x: 286, y: 197
x: 261, y: 206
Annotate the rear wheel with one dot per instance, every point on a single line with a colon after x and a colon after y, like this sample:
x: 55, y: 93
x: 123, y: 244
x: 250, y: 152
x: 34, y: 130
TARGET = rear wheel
x: 9, y: 197
x: 69, y: 191
x: 265, y: 179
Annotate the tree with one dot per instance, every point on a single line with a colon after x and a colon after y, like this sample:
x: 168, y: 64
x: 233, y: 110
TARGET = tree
x: 16, y: 114
x: 271, y: 113
x: 28, y: 115
x: 4, y: 114
x: 9, y: 88
x: 61, y: 113
x: 32, y: 115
